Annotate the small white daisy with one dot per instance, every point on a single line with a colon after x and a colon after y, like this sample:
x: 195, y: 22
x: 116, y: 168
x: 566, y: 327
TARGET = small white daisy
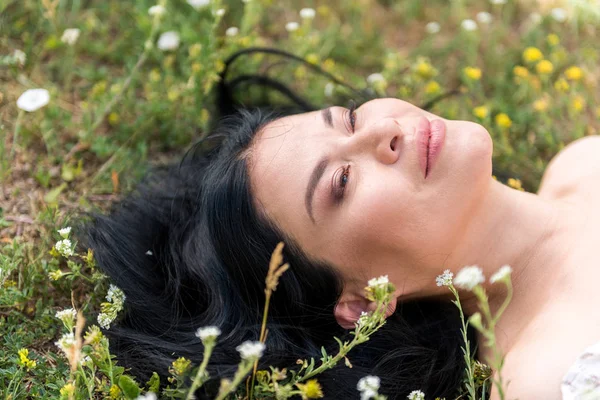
x: 416, y: 395
x: 208, y: 332
x: 469, y: 25
x: 64, y: 247
x: 198, y: 4
x: 469, y: 277
x: 33, y: 99
x: 232, y: 31
x: 445, y: 279
x: 70, y: 36
x: 292, y: 26
x: 251, y: 350
x: 484, y: 17
x: 168, y: 41
x: 432, y: 27
x: 64, y: 232
x: 220, y: 12
x: 503, y: 272
x: 307, y: 13
x: 69, y: 313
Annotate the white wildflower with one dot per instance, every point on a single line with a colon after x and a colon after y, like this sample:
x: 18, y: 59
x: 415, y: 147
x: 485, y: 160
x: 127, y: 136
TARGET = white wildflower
x: 469, y: 277
x: 156, y: 10
x: 220, y: 12
x: 232, y: 31
x: 33, y: 99
x: 69, y: 313
x: 559, y: 14
x: 469, y: 25
x: 363, y: 318
x: 498, y: 1
x: 368, y: 386
x: 147, y: 396
x: 376, y: 77
x: 378, y: 282
x: 445, y: 279
x: 198, y: 4
x: 64, y: 232
x: 64, y: 247
x: 484, y: 17
x: 20, y: 57
x: 432, y: 27
x: 307, y: 13
x: 70, y: 36
x: 292, y: 26
x: 416, y: 395
x: 329, y: 89
x: 251, y: 350
x: 502, y: 273
x: 115, y: 294
x: 66, y: 342
x: 104, y: 320
x: 168, y: 41
x: 208, y: 332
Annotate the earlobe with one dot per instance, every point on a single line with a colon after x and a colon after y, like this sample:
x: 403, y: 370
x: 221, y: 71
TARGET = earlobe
x: 347, y: 312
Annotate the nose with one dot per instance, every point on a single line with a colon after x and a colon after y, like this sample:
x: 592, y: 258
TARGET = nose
x: 381, y: 138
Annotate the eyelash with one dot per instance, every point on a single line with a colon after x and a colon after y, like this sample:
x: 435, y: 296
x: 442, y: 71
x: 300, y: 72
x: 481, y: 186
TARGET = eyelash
x: 340, y: 184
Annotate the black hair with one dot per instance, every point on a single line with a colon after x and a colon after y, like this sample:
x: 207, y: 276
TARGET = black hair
x: 189, y: 250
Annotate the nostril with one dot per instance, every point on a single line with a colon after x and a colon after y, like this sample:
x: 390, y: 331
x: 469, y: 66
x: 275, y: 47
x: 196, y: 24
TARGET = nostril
x: 393, y: 143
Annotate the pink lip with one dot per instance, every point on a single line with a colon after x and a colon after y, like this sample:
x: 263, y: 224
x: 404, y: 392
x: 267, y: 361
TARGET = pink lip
x: 430, y: 138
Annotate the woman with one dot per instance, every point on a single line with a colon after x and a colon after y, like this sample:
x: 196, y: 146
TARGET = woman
x: 353, y: 195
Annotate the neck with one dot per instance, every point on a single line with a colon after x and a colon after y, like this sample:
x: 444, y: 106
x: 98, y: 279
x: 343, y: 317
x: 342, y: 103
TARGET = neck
x: 531, y: 234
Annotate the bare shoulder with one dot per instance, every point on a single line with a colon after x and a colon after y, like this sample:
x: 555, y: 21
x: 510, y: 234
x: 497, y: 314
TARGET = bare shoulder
x: 576, y: 168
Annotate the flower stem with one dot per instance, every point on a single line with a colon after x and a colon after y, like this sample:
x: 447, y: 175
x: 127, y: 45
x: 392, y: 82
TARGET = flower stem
x: 471, y: 385
x: 16, y: 134
x: 199, y: 379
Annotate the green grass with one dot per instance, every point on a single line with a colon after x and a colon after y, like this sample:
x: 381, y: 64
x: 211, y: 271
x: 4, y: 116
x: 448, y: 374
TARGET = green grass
x: 117, y: 105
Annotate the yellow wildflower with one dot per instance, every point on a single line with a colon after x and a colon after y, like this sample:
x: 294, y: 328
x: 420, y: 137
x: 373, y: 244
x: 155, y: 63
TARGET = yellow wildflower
x: 532, y: 54
x: 328, y: 64
x: 114, y: 392
x: 113, y: 118
x: 68, y: 390
x: 574, y: 73
x: 544, y: 67
x: 578, y: 103
x: 312, y: 58
x: 196, y: 67
x: 195, y: 50
x: 481, y: 112
x: 503, y: 120
x: 155, y: 75
x: 561, y: 85
x: 472, y: 73
x: 323, y: 11
x: 432, y: 87
x: 553, y: 39
x: 515, y: 184
x: 24, y: 359
x: 244, y: 41
x: 520, y: 71
x: 219, y: 66
x: 311, y: 389
x: 540, y: 105
x: 172, y: 94
x: 424, y: 69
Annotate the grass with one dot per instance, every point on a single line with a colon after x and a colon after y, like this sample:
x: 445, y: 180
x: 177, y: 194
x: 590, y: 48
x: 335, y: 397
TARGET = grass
x: 118, y: 103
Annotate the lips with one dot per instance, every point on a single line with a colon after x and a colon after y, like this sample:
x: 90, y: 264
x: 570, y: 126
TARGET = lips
x: 430, y: 138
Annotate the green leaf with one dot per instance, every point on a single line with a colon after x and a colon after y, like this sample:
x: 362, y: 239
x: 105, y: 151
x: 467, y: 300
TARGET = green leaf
x: 154, y: 383
x: 129, y: 387
x: 52, y: 195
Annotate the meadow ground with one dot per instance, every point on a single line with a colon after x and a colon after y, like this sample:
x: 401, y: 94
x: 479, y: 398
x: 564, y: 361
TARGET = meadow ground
x: 122, y: 87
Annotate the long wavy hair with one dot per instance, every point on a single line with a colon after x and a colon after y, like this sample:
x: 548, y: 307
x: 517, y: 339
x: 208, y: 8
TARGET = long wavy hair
x: 189, y: 249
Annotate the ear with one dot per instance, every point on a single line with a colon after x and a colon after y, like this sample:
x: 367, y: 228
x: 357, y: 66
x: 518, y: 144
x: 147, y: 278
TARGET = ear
x: 347, y: 311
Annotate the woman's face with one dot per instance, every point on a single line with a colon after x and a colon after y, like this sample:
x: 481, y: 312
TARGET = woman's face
x: 359, y: 199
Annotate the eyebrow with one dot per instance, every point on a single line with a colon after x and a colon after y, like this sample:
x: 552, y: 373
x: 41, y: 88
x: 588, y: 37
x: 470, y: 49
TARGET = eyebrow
x: 319, y: 170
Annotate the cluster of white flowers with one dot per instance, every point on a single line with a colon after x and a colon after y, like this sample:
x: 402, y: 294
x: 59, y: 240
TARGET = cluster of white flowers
x: 157, y: 11
x: 307, y: 13
x: 115, y: 294
x: 66, y: 315
x: 198, y: 4
x: 374, y: 78
x: 64, y: 247
x: 469, y: 25
x: 232, y: 31
x: 363, y: 318
x: 64, y: 232
x: 292, y: 26
x: 416, y: 395
x: 168, y: 41
x: 70, y: 36
x: 33, y: 99
x: 368, y: 387
x: 502, y: 273
x: 66, y: 342
x: 484, y: 17
x: 208, y: 333
x: 469, y: 277
x: 445, y: 279
x: 104, y: 320
x: 116, y: 297
x: 251, y: 350
x: 432, y: 27
x: 19, y: 57
x: 378, y: 282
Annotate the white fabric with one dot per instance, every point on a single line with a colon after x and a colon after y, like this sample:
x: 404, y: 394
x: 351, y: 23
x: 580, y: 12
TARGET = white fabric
x: 582, y: 381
